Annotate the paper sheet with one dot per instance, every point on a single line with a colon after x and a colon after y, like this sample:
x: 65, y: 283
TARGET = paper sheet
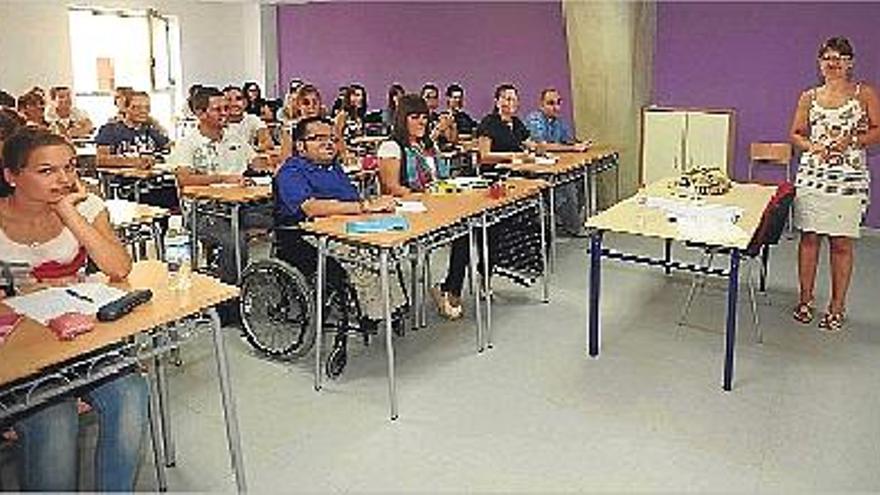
x: 700, y: 222
x: 410, y: 207
x: 45, y: 304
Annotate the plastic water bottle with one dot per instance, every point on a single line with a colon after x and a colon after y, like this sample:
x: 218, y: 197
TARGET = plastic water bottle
x: 177, y: 255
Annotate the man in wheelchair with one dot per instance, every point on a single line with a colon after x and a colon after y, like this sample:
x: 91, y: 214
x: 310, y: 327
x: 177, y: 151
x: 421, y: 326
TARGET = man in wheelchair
x: 313, y: 184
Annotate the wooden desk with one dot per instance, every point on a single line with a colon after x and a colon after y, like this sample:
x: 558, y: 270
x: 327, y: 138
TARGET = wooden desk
x: 632, y: 217
x: 37, y: 367
x: 114, y: 179
x: 569, y: 167
x: 137, y: 223
x: 448, y: 217
x: 225, y: 201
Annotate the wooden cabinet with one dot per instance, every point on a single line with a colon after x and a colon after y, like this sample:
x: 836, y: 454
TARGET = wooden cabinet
x: 675, y: 140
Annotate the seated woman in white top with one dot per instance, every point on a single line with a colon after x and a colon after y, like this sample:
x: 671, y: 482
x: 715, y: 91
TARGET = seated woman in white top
x: 51, y: 223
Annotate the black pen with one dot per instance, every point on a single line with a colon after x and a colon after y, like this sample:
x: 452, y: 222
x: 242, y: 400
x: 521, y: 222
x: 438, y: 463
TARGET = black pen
x: 79, y: 296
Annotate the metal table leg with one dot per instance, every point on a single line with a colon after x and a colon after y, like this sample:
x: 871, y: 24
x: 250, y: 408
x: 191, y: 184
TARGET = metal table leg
x: 545, y: 275
x: 475, y: 286
x: 319, y: 308
x: 165, y: 412
x: 551, y: 192
x: 667, y: 256
x: 730, y: 334
x: 193, y: 234
x: 487, y: 280
x: 416, y: 284
x: 594, y: 288
x: 154, y: 413
x: 236, y: 231
x: 230, y: 417
x: 389, y: 332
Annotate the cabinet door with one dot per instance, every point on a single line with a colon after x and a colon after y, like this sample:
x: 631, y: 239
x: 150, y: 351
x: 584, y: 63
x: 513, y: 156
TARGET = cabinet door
x: 708, y: 140
x: 662, y: 144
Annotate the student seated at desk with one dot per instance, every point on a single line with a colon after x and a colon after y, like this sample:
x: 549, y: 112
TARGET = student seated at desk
x: 210, y: 155
x: 441, y: 125
x: 49, y: 221
x: 407, y: 165
x: 32, y: 106
x: 65, y: 119
x: 306, y: 103
x: 312, y: 184
x: 464, y: 124
x: 248, y: 127
x: 501, y: 134
x: 551, y: 133
x: 134, y: 140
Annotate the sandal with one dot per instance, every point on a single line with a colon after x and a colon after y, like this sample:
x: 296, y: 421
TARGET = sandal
x: 803, y: 312
x: 444, y: 306
x: 832, y: 322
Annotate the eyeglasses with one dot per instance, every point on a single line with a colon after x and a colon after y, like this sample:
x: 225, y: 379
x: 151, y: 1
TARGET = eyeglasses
x: 835, y: 58
x: 320, y: 138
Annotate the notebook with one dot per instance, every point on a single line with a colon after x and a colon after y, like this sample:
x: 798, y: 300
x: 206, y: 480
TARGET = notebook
x: 377, y: 225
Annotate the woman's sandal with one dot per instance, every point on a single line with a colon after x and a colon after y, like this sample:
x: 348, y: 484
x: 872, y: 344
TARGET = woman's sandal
x: 832, y: 322
x: 803, y: 312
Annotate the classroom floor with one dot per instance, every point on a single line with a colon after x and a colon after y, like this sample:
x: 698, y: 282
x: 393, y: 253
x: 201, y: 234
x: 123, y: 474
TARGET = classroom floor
x: 535, y: 414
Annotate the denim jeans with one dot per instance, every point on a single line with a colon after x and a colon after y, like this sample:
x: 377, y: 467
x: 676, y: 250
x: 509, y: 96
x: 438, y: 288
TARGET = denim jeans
x: 47, y: 448
x: 217, y: 232
x: 569, y: 204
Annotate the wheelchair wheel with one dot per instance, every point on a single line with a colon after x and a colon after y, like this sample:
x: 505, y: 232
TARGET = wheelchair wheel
x: 276, y: 309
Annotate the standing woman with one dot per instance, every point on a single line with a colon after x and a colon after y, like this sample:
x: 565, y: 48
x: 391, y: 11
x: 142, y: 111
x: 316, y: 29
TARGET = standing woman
x: 833, y: 124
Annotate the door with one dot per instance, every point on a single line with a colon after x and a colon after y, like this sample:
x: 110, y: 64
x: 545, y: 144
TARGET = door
x: 709, y: 140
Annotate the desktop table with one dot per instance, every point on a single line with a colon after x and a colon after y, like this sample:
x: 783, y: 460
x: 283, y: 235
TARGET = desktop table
x: 448, y: 217
x: 38, y: 368
x: 136, y: 223
x: 632, y: 217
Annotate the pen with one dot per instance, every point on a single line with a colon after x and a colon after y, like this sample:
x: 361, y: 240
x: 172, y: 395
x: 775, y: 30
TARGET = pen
x: 79, y: 296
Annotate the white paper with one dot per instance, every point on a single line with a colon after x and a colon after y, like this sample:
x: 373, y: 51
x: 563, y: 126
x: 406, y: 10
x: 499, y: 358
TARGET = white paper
x: 410, y: 207
x: 701, y: 222
x: 545, y: 160
x: 45, y: 304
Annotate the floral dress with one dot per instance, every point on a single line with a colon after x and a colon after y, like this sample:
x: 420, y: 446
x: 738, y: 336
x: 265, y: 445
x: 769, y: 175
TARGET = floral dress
x: 832, y: 189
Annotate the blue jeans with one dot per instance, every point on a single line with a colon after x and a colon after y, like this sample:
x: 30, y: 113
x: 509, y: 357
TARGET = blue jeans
x: 48, y: 439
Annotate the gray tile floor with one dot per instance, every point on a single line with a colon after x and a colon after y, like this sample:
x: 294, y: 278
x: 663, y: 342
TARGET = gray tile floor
x: 536, y: 415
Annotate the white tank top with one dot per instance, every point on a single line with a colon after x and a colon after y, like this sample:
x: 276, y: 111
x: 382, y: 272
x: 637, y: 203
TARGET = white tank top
x: 63, y: 248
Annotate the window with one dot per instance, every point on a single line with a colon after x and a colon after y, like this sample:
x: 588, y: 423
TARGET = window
x: 135, y: 48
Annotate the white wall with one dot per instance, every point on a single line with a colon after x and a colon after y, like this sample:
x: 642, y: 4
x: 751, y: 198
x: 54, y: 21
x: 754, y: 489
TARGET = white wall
x: 220, y: 41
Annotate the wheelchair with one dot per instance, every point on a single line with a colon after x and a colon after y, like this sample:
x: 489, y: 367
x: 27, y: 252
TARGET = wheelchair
x: 277, y: 304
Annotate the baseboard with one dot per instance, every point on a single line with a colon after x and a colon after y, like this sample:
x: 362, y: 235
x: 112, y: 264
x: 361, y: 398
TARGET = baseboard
x: 870, y: 232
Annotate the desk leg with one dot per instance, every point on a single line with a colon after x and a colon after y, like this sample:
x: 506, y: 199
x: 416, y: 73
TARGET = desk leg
x: 594, y: 192
x: 594, y: 287
x: 765, y: 262
x: 732, y: 295
x: 389, y: 332
x: 545, y: 273
x: 193, y: 234
x: 487, y: 281
x: 233, y: 438
x: 416, y: 284
x: 319, y: 308
x: 165, y: 410
x: 159, y: 240
x: 667, y: 255
x: 551, y: 193
x: 588, y: 210
x: 475, y: 285
x: 137, y: 190
x: 155, y: 413
x: 236, y: 231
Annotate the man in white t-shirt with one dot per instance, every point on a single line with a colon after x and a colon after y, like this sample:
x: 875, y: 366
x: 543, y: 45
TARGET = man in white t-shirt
x: 250, y: 128
x: 65, y: 119
x: 212, y: 155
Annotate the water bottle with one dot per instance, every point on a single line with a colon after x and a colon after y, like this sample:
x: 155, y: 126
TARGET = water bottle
x: 177, y: 255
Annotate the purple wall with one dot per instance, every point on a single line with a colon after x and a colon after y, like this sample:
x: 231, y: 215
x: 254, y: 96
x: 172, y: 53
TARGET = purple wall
x: 478, y: 44
x: 757, y: 58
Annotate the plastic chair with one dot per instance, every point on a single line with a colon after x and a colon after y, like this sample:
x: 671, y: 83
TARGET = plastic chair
x: 769, y: 231
x: 776, y: 154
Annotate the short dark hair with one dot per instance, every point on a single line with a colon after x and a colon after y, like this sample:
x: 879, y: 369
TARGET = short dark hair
x: 232, y: 87
x: 407, y: 105
x: 18, y: 147
x: 501, y: 88
x: 10, y: 121
x: 198, y: 102
x: 302, y: 126
x: 30, y: 98
x: 54, y: 90
x: 838, y: 44
x: 130, y: 95
x: 428, y: 86
x: 6, y: 99
x: 454, y: 88
x: 547, y: 90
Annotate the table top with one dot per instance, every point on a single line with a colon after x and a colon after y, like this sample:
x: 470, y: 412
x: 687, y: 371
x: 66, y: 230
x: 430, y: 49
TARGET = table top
x: 443, y: 210
x: 33, y: 347
x: 132, y: 173
x: 631, y: 217
x: 124, y: 212
x: 227, y: 193
x: 567, y: 161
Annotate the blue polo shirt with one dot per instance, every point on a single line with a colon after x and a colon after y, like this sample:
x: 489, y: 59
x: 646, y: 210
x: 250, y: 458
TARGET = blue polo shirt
x: 545, y: 130
x: 299, y: 180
